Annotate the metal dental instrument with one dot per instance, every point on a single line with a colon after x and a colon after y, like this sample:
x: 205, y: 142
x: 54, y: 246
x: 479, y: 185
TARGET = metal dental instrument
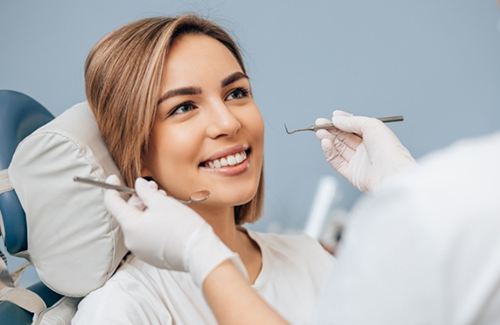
x: 196, y: 197
x: 385, y: 119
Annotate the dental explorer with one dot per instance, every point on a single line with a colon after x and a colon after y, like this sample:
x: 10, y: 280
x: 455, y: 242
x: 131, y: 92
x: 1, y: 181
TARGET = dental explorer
x: 385, y: 119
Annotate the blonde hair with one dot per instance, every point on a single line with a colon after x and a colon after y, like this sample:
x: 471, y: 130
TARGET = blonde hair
x: 122, y: 81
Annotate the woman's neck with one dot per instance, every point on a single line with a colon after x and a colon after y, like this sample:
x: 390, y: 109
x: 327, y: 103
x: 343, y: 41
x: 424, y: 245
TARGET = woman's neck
x: 224, y: 225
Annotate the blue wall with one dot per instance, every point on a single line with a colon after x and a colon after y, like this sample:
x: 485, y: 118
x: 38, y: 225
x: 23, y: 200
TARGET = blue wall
x: 435, y: 62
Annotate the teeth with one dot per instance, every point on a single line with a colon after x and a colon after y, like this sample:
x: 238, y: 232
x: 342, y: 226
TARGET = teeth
x: 229, y: 160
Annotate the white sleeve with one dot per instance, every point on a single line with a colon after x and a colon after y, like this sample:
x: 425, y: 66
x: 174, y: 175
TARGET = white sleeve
x: 423, y: 251
x: 375, y: 280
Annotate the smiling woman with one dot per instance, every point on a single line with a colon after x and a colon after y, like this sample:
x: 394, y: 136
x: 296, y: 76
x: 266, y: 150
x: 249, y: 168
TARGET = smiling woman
x: 173, y: 102
x: 131, y: 87
x: 208, y: 120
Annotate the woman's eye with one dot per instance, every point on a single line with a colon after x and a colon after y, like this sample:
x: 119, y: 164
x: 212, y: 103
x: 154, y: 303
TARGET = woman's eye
x: 238, y: 93
x: 182, y: 108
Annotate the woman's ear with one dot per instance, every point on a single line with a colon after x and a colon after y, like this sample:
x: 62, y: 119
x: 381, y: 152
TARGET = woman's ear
x: 145, y: 172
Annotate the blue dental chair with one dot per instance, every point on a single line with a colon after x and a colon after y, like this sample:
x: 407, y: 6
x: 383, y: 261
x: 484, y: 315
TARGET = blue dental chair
x: 20, y: 115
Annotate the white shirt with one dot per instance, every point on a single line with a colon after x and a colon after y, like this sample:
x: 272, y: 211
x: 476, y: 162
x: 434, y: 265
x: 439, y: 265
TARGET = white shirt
x: 294, y: 269
x: 425, y: 247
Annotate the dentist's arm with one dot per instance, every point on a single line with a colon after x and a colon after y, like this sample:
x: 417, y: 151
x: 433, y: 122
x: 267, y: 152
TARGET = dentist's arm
x: 234, y: 301
x: 362, y: 149
x: 168, y: 234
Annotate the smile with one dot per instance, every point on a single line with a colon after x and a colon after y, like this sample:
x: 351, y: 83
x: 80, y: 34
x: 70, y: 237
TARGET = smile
x: 230, y: 164
x: 229, y: 160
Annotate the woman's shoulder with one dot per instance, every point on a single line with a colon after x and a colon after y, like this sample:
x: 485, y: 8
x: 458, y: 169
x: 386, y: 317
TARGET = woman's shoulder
x: 296, y: 241
x: 293, y: 263
x: 126, y: 298
x: 294, y: 246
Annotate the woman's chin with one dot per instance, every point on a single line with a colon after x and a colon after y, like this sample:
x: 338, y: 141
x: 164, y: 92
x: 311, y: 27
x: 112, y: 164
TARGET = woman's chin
x: 232, y: 198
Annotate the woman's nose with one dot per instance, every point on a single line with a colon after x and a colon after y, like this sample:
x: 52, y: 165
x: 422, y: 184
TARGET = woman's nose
x: 222, y: 121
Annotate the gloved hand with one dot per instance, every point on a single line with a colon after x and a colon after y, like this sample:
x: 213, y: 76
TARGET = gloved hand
x: 362, y: 149
x: 166, y: 233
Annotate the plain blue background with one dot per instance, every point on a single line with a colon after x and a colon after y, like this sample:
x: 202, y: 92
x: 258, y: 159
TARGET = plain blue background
x: 437, y: 62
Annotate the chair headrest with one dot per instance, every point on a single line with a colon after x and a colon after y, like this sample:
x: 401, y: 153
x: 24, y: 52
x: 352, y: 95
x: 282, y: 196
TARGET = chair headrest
x: 20, y: 115
x: 73, y: 242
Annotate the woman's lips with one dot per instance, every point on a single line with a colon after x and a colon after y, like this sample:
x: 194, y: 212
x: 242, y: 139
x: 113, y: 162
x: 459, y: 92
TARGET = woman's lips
x: 230, y: 170
x: 228, y: 151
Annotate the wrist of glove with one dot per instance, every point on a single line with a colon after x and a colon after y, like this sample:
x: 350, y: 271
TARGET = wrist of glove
x: 205, y: 252
x: 362, y: 149
x: 166, y: 233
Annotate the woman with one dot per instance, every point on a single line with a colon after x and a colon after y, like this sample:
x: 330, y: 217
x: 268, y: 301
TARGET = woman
x: 174, y: 103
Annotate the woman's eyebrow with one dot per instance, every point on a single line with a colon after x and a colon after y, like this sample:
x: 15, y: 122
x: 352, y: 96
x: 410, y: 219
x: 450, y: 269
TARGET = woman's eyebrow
x: 196, y: 90
x: 232, y: 78
x: 179, y: 92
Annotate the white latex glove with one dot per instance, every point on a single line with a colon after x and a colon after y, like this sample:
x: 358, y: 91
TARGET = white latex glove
x: 166, y: 233
x: 362, y: 149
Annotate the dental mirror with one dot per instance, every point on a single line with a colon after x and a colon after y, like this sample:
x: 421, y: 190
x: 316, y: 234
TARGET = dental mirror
x: 195, y: 197
x: 199, y: 196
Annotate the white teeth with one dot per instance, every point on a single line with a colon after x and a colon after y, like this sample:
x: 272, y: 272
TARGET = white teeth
x: 229, y: 160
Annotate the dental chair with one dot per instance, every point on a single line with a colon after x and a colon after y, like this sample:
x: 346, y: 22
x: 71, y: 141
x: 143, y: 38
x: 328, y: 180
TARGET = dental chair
x: 61, y: 227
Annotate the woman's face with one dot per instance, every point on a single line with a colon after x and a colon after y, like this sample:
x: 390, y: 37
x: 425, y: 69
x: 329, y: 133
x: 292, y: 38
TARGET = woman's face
x: 208, y: 133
